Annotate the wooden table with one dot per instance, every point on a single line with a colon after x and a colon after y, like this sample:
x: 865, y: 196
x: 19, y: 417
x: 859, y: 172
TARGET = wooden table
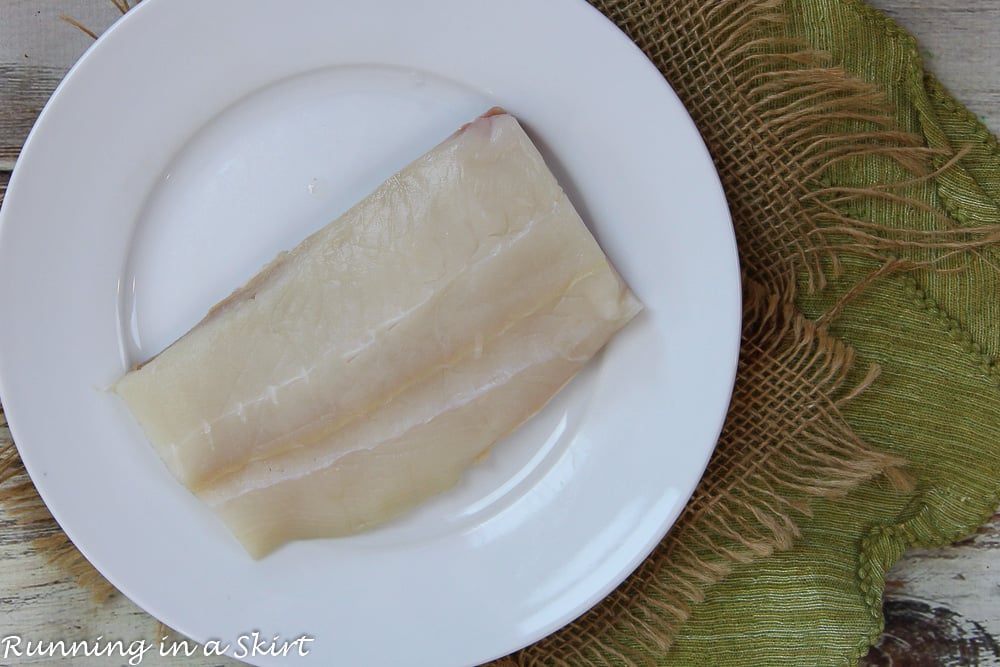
x: 943, y: 606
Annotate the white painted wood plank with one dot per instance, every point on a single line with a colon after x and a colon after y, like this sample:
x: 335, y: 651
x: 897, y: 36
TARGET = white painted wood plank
x: 24, y: 90
x: 960, y: 44
x: 943, y: 606
x: 960, y: 40
x: 36, y: 50
x: 966, y: 575
x: 38, y: 603
x: 31, y: 32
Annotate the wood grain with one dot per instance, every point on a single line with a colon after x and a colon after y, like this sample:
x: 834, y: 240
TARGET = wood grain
x: 24, y: 90
x: 920, y: 634
x: 959, y: 585
x: 942, y: 606
x: 36, y: 50
x: 960, y: 44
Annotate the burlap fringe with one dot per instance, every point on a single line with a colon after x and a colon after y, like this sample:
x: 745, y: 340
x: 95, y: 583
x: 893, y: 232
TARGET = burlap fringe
x: 792, y: 374
x: 18, y: 495
x: 767, y: 105
x: 785, y: 114
x: 21, y: 502
x: 122, y: 6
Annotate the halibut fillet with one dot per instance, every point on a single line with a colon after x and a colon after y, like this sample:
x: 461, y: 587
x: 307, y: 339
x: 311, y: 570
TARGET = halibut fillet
x: 363, y: 371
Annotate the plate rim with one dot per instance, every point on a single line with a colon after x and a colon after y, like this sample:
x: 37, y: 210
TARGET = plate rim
x: 150, y: 6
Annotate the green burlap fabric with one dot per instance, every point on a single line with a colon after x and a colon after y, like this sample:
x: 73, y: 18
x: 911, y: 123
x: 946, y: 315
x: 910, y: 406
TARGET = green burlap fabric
x: 866, y: 415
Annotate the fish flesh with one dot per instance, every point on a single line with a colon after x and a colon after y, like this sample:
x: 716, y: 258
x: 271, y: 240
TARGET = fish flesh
x: 363, y: 371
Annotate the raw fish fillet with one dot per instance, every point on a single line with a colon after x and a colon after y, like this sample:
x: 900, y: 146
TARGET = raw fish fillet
x: 363, y: 371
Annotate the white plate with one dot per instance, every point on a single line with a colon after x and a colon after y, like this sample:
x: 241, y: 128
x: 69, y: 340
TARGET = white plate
x: 194, y: 141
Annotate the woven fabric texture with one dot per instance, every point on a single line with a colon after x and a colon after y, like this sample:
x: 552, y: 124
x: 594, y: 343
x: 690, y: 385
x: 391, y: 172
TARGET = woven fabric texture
x: 864, y: 420
x: 866, y: 203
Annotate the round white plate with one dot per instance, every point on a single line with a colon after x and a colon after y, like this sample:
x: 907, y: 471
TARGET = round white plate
x: 197, y: 139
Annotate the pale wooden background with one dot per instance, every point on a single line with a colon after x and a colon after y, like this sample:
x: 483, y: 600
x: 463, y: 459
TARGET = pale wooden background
x: 960, y: 41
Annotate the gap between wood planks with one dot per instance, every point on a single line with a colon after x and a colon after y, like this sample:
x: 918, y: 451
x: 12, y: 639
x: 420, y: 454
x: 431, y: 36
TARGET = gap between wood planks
x: 24, y: 90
